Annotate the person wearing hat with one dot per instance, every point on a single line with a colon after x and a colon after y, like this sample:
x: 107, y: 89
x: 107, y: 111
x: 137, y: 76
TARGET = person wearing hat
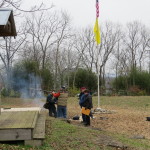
x: 62, y: 104
x: 81, y: 100
x: 87, y: 103
x: 52, y: 101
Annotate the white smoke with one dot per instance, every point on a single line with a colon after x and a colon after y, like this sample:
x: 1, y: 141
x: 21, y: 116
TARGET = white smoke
x: 31, y: 89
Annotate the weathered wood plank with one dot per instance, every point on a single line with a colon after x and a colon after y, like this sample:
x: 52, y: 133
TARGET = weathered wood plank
x: 21, y: 109
x: 39, y: 130
x: 33, y: 142
x: 23, y: 119
x: 17, y: 119
x: 31, y: 119
x: 36, y: 115
x: 15, y: 134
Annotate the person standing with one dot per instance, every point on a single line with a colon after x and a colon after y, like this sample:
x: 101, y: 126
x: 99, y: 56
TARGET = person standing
x: 81, y: 100
x: 62, y: 104
x: 87, y: 103
x: 52, y: 101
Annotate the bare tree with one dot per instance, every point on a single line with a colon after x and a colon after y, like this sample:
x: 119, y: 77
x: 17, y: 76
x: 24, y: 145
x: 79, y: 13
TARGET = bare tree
x: 62, y: 35
x: 72, y: 58
x: 89, y: 54
x: 133, y: 41
x: 7, y: 3
x: 9, y: 48
x: 145, y: 38
x: 42, y: 33
x: 67, y: 61
x: 110, y: 36
x: 79, y: 47
x: 16, y: 4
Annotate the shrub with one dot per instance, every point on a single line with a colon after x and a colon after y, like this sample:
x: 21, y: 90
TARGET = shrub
x: 73, y: 92
x: 11, y: 93
x: 84, y: 77
x: 138, y: 81
x: 142, y: 93
x: 136, y: 91
x: 4, y: 92
x: 14, y: 94
x: 122, y: 93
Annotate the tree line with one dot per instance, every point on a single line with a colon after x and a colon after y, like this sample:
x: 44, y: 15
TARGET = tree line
x: 48, y: 46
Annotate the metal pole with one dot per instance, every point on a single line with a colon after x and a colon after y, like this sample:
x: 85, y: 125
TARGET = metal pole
x: 98, y: 89
x: 98, y: 67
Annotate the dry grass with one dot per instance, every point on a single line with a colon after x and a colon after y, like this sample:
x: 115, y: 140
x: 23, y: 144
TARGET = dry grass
x: 129, y: 117
x: 19, y: 102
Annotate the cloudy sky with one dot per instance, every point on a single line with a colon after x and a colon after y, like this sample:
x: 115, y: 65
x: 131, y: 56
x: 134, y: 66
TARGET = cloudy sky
x: 83, y: 11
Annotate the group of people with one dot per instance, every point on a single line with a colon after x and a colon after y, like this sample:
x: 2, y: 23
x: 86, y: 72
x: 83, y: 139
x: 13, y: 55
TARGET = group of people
x: 60, y: 98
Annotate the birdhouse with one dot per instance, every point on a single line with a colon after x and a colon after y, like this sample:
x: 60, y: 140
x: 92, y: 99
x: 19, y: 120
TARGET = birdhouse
x: 7, y: 23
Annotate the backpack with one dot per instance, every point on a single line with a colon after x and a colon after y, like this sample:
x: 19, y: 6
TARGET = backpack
x: 46, y: 105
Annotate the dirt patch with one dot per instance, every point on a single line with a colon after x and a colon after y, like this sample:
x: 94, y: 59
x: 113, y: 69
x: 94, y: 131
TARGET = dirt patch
x: 124, y: 121
x: 109, y: 141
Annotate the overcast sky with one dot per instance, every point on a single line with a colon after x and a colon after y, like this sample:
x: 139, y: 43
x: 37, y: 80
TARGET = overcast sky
x: 83, y: 11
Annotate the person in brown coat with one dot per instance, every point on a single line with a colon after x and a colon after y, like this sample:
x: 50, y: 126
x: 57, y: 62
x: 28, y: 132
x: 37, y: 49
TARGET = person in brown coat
x: 62, y: 104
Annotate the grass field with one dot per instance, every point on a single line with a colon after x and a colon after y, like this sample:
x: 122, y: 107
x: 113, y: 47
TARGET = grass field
x: 127, y: 121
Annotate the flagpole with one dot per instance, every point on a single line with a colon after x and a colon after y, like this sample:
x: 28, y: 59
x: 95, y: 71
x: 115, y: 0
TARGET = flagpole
x: 98, y: 67
x: 98, y: 41
x: 98, y: 77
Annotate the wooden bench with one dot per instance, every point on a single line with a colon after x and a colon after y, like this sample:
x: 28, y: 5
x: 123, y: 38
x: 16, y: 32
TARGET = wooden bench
x: 28, y: 126
x: 38, y: 132
x: 17, y: 125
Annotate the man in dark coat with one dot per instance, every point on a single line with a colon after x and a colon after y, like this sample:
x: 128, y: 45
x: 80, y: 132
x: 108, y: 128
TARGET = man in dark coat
x: 81, y: 100
x: 87, y: 103
x: 52, y: 101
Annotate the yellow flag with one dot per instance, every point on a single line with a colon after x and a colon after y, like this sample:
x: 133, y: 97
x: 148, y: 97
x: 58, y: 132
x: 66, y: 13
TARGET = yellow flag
x: 97, y: 32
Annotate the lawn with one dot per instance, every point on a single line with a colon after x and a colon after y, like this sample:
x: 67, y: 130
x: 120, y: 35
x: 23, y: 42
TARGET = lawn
x: 127, y: 120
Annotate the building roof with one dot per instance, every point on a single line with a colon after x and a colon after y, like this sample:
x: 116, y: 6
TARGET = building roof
x: 6, y: 17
